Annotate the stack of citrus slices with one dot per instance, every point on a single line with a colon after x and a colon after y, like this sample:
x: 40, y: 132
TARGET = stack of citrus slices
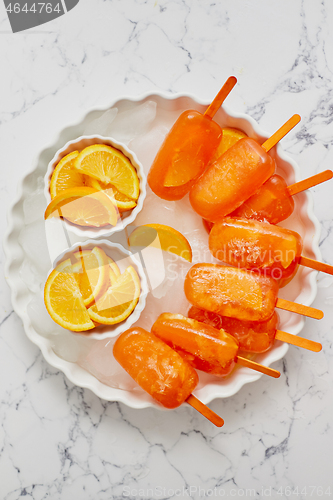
x: 88, y: 289
x: 93, y: 187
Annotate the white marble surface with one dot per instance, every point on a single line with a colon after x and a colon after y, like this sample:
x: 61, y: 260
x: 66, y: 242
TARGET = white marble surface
x: 58, y: 441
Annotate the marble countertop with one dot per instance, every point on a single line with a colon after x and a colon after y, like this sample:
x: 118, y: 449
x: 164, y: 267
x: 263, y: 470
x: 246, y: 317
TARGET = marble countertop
x: 58, y: 441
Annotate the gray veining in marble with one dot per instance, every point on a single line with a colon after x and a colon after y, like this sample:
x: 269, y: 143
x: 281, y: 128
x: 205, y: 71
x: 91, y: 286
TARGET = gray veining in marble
x: 58, y: 441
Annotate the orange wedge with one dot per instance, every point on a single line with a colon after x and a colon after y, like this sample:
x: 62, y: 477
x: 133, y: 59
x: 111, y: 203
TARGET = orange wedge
x: 169, y: 239
x: 113, y: 266
x: 113, y: 269
x: 64, y: 301
x: 112, y: 276
x: 119, y: 199
x: 65, y: 176
x: 83, y: 206
x: 119, y: 301
x: 92, y: 274
x: 229, y: 138
x: 109, y: 166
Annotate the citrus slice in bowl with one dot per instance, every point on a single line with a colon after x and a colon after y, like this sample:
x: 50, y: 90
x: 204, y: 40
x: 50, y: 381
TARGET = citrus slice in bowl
x: 92, y: 273
x: 63, y: 299
x: 113, y: 266
x: 65, y: 176
x: 110, y: 166
x: 122, y: 202
x: 83, y: 206
x: 161, y: 236
x: 119, y: 301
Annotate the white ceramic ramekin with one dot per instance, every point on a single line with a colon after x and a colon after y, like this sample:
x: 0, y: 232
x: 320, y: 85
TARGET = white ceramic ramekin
x: 123, y: 258
x: 78, y: 145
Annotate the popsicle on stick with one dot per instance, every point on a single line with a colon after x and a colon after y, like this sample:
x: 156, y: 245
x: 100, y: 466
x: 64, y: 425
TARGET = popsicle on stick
x: 203, y: 346
x: 187, y: 149
x: 238, y: 293
x: 252, y: 336
x: 160, y: 371
x: 273, y: 202
x: 236, y: 175
x: 252, y: 244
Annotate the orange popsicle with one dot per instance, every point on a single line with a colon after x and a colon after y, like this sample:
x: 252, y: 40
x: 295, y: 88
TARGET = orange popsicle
x: 250, y: 244
x: 273, y: 202
x: 253, y: 337
x: 270, y: 203
x: 157, y: 368
x: 238, y: 293
x: 231, y: 292
x: 235, y: 176
x: 204, y: 347
x: 228, y: 182
x: 184, y: 155
x: 187, y: 149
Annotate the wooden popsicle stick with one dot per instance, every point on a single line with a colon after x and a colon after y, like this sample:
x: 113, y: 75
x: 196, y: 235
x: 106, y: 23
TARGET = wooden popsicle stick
x: 298, y: 187
x: 219, y: 99
x: 298, y: 341
x: 314, y: 264
x: 279, y: 134
x: 205, y: 411
x: 311, y: 312
x: 248, y: 363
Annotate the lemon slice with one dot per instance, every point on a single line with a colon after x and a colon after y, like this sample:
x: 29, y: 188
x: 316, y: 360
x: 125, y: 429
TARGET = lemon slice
x: 64, y: 301
x: 65, y: 176
x: 92, y: 274
x: 118, y: 301
x: 110, y: 166
x: 119, y: 199
x: 169, y: 239
x: 83, y: 206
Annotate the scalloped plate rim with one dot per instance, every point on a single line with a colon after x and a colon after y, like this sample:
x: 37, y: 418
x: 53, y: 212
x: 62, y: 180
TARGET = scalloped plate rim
x: 97, y: 387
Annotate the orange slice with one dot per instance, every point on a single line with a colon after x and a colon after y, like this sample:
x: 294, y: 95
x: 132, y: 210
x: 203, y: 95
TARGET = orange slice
x: 65, y: 176
x: 64, y: 301
x: 92, y: 274
x: 110, y: 166
x: 83, y: 206
x: 113, y: 266
x: 169, y: 239
x: 229, y: 138
x: 119, y: 199
x: 118, y: 301
x: 114, y: 271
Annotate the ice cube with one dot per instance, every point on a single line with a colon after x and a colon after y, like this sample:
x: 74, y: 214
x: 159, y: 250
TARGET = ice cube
x: 33, y: 241
x: 71, y: 346
x: 156, y: 210
x: 34, y: 204
x: 30, y: 275
x: 147, y: 146
x: 169, y: 296
x: 101, y: 125
x: 133, y: 122
x: 198, y: 240
x: 102, y: 365
x: 40, y: 318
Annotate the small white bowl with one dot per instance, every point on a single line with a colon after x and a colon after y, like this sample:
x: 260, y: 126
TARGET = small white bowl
x: 123, y: 258
x: 78, y: 145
